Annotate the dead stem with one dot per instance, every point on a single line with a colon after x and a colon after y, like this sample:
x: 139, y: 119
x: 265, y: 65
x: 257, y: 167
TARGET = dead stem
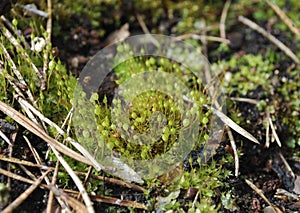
x: 269, y: 36
x: 223, y: 19
x: 284, y: 18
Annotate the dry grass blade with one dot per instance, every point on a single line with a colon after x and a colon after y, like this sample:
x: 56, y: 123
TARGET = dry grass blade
x: 76, y: 180
x: 40, y: 161
x: 21, y: 50
x: 22, y: 162
x: 3, y: 136
x: 203, y: 37
x: 267, y: 123
x: 17, y: 32
x: 232, y: 124
x: 51, y: 187
x: 274, y: 40
x: 116, y: 201
x: 24, y: 195
x: 17, y: 73
x: 258, y: 191
x: 24, y: 121
x: 116, y: 181
x: 223, y: 19
x: 284, y: 18
x: 287, y: 166
x: 235, y: 154
x: 75, y: 204
x: 48, y: 41
x: 273, y: 130
x: 96, y: 165
x: 145, y: 30
x: 261, y: 194
x: 32, y: 127
x: 246, y: 100
x: 20, y: 178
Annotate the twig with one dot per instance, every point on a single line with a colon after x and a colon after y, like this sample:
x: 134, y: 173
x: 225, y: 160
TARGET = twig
x: 274, y: 40
x: 223, y: 19
x: 88, y: 174
x: 284, y: 18
x: 261, y: 194
x: 27, y: 172
x: 51, y: 193
x: 21, y: 119
x: 24, y: 195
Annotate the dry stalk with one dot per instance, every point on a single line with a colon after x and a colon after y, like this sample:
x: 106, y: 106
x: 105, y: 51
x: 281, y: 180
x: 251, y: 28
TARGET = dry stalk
x: 18, y: 201
x: 48, y: 42
x: 21, y: 50
x: 223, y: 19
x: 269, y: 36
x: 284, y: 18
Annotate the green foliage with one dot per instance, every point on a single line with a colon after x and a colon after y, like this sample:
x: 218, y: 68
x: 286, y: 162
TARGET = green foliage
x: 205, y: 180
x: 248, y: 73
x: 124, y: 136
